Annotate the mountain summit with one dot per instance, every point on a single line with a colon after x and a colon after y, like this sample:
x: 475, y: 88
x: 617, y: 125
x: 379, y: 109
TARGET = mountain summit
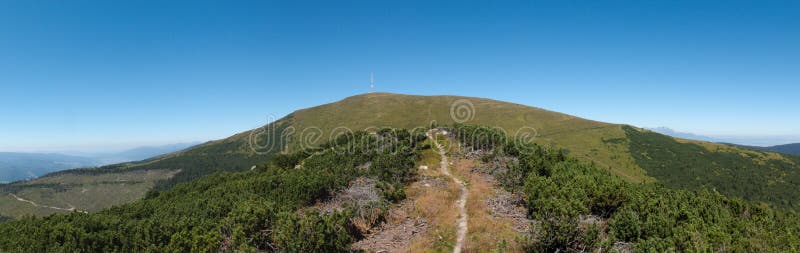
x: 632, y: 153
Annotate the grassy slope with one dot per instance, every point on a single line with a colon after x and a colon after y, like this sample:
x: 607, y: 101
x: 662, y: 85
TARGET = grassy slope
x: 583, y: 138
x: 606, y: 145
x: 86, y: 192
x: 753, y: 175
x: 67, y: 187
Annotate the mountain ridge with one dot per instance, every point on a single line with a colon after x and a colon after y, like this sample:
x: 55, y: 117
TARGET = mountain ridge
x: 790, y: 149
x: 15, y: 166
x: 633, y: 153
x: 748, y: 141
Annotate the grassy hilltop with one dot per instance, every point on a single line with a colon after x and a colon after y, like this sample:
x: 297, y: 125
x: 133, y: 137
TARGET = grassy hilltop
x: 634, y: 154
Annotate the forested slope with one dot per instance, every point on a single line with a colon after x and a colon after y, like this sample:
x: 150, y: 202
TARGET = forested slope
x: 253, y: 210
x: 574, y: 205
x: 755, y: 175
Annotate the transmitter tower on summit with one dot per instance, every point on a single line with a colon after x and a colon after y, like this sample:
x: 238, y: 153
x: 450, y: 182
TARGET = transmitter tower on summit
x: 371, y: 82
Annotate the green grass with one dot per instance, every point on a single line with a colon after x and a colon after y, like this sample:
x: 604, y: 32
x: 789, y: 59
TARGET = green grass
x: 561, y: 191
x: 608, y: 146
x: 582, y: 137
x: 429, y: 156
x: 83, y: 191
x: 252, y: 211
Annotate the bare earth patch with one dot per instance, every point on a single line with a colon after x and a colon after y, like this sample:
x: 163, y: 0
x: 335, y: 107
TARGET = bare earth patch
x: 361, y: 191
x: 506, y: 205
x: 395, y: 234
x: 435, y: 182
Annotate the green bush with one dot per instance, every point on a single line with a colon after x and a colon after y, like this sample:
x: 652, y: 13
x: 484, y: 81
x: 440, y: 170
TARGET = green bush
x: 247, y: 211
x: 557, y: 234
x: 312, y: 233
x: 680, y: 165
x: 626, y: 225
x: 559, y: 190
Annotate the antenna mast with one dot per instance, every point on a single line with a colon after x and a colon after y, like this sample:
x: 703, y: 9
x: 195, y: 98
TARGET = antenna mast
x: 371, y: 83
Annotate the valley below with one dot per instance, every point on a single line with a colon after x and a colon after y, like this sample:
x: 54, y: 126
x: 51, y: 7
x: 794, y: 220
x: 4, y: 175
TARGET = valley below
x: 422, y: 182
x: 65, y: 193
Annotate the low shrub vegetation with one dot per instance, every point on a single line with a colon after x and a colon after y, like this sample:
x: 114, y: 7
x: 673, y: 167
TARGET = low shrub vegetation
x: 246, y: 211
x: 562, y: 194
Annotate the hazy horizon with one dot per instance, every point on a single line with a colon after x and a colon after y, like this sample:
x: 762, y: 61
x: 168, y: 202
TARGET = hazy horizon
x: 99, y: 148
x: 95, y: 150
x: 87, y: 76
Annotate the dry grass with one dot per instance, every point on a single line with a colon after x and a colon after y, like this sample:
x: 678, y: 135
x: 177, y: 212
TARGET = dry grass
x: 486, y: 233
x: 435, y: 203
x: 395, y: 216
x: 366, y: 219
x: 438, y: 206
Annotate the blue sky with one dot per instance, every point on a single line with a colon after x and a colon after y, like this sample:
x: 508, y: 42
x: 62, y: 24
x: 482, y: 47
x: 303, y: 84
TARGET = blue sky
x: 99, y: 75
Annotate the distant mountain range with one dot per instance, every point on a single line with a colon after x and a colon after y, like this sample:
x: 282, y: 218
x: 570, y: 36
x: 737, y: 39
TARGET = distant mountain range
x: 276, y: 175
x: 690, y: 136
x: 137, y: 154
x: 632, y: 153
x: 792, y: 149
x: 19, y: 166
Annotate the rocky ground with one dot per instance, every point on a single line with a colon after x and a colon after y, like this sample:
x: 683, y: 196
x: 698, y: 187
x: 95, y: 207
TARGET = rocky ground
x: 395, y: 234
x: 361, y: 192
x: 509, y: 206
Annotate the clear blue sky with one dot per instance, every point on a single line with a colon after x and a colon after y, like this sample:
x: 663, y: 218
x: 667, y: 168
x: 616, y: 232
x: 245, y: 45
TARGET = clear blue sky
x: 81, y: 75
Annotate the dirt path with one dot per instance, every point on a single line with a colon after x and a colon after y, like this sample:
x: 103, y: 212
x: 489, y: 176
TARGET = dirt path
x: 461, y: 223
x: 72, y: 208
